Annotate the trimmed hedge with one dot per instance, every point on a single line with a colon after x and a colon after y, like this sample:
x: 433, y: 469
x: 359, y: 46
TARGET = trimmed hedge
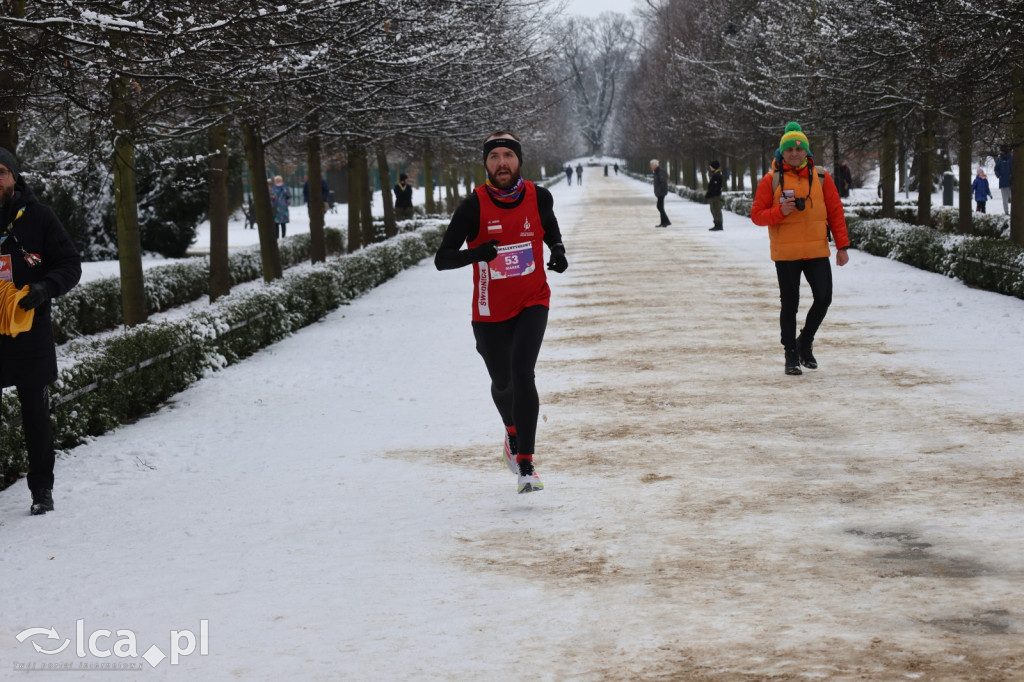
x: 109, y: 382
x: 988, y: 263
x: 95, y: 306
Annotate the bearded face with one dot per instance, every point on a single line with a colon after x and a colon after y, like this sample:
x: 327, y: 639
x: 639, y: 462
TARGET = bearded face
x: 503, y: 167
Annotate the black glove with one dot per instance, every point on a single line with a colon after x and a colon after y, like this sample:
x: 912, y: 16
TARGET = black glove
x: 558, y: 261
x: 485, y: 252
x: 37, y: 295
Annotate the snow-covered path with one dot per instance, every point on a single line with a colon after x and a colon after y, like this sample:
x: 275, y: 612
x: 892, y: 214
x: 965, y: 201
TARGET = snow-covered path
x: 335, y: 507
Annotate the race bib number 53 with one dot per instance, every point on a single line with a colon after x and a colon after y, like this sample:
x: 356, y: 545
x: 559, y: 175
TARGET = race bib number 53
x: 514, y: 260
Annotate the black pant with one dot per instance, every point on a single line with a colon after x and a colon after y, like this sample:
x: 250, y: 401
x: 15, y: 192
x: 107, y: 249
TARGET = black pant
x: 282, y: 227
x: 510, y: 351
x: 661, y: 210
x: 35, y: 421
x: 819, y: 275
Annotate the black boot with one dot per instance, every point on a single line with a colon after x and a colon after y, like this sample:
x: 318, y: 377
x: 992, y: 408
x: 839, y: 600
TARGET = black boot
x: 803, y: 347
x: 42, y: 502
x: 716, y: 228
x: 793, y: 362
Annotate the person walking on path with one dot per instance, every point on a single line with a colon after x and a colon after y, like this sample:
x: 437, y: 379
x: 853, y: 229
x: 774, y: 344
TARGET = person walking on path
x: 403, y: 198
x: 981, y: 190
x: 844, y: 181
x: 36, y: 253
x: 568, y: 174
x: 660, y: 190
x: 799, y: 204
x: 714, y: 195
x: 505, y: 224
x: 1004, y: 171
x: 579, y: 173
x: 279, y: 200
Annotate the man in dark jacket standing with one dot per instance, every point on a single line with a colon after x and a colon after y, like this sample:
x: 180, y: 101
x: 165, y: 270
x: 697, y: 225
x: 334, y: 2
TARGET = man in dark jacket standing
x: 714, y: 195
x: 1004, y: 171
x: 660, y: 190
x: 35, y: 251
x: 403, y: 197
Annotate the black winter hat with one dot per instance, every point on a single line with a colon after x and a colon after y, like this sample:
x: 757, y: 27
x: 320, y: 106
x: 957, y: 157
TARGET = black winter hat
x: 7, y: 159
x: 715, y: 165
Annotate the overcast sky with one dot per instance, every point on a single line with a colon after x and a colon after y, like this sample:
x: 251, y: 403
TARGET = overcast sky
x: 591, y: 8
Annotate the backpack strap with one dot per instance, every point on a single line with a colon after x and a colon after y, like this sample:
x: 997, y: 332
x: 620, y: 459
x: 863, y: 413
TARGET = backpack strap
x: 777, y: 177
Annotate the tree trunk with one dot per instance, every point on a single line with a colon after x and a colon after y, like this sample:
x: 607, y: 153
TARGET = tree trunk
x: 384, y: 173
x: 126, y: 207
x: 366, y: 205
x: 925, y: 166
x: 355, y: 200
x: 965, y: 140
x: 428, y: 179
x: 315, y: 207
x: 270, y: 256
x: 887, y: 170
x: 754, y: 179
x: 12, y: 86
x: 1017, y: 149
x: 220, y: 275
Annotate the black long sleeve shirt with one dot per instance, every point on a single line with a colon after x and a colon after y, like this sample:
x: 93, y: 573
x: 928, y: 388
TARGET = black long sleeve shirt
x: 465, y: 225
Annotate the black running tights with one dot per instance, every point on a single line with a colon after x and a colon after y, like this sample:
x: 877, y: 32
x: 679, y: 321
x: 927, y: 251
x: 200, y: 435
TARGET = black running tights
x: 819, y: 275
x: 510, y: 351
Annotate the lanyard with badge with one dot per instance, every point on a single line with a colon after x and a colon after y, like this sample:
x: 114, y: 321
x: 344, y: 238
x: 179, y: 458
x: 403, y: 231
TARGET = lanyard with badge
x: 32, y: 259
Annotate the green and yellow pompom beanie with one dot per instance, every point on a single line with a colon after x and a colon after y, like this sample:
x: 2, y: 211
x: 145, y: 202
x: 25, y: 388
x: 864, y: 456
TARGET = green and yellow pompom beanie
x: 794, y: 138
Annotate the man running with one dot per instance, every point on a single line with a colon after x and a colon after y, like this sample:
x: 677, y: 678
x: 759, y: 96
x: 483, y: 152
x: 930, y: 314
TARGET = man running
x: 505, y: 224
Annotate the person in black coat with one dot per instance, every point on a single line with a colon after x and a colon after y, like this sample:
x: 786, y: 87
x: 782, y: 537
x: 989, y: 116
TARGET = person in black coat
x: 660, y: 190
x: 714, y: 195
x: 403, y: 197
x: 35, y: 250
x: 844, y: 180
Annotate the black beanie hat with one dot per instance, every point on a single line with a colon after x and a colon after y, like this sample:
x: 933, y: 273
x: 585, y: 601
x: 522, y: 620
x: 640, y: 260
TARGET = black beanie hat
x: 504, y: 142
x: 715, y: 165
x: 7, y: 159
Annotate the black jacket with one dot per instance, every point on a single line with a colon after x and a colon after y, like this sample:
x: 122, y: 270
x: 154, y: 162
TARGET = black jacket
x: 660, y: 182
x: 30, y: 358
x: 714, y: 185
x: 403, y: 195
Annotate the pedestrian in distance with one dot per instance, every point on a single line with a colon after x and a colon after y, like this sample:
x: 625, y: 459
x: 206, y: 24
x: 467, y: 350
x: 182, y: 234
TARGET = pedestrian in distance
x: 1004, y: 172
x: 616, y: 168
x: 37, y: 255
x: 579, y: 173
x: 403, y: 197
x: 660, y: 190
x: 280, y: 198
x: 505, y: 224
x: 568, y: 174
x: 799, y: 203
x: 981, y: 190
x: 714, y: 195
x: 844, y: 180
x: 325, y: 193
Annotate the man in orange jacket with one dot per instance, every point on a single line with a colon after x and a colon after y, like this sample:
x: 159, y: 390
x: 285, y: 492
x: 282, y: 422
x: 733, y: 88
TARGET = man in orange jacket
x: 800, y: 205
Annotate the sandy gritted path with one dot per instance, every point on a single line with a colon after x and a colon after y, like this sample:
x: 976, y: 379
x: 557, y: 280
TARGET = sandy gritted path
x: 730, y: 522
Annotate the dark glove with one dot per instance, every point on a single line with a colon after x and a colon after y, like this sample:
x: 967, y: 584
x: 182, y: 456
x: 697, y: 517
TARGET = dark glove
x: 558, y: 261
x: 485, y: 252
x: 37, y: 295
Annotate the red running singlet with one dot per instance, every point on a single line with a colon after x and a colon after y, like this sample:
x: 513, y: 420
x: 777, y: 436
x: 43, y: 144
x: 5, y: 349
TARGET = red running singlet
x: 516, y: 278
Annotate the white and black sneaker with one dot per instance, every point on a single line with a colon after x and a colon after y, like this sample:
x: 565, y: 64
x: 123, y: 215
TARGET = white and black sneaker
x: 529, y: 481
x: 511, y: 450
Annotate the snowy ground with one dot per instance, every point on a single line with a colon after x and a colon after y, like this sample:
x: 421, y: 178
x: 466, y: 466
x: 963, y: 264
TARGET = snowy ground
x: 335, y: 507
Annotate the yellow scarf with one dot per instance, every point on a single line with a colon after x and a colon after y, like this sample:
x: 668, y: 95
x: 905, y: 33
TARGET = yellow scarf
x: 13, y: 320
